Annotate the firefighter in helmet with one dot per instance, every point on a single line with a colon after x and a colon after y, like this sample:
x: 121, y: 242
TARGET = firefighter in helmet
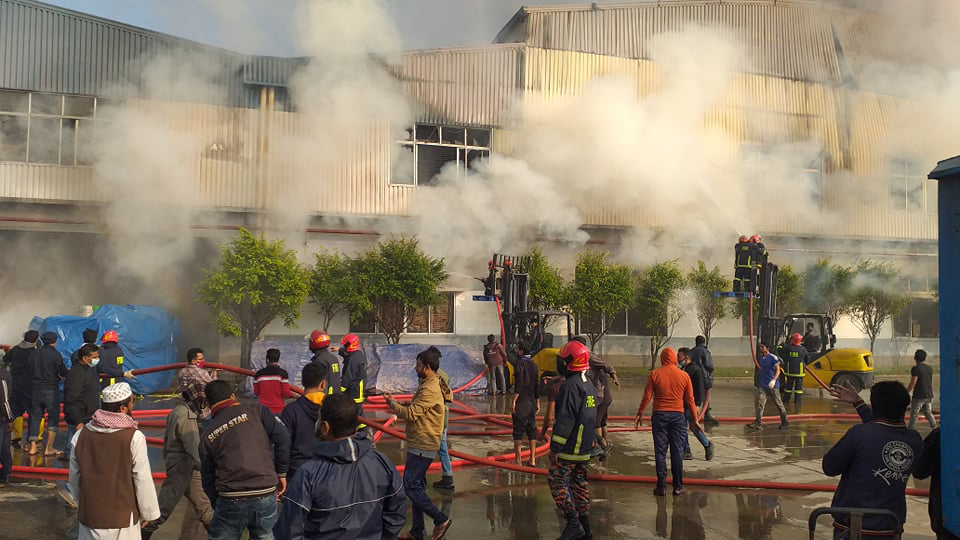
x: 111, y: 360
x: 354, y: 373
x: 795, y: 357
x: 758, y: 258
x: 320, y: 347
x: 743, y: 265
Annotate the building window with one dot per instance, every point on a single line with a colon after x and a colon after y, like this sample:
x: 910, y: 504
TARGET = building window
x: 428, y: 148
x: 46, y: 128
x: 429, y: 320
x: 921, y: 319
x: 624, y: 323
x: 910, y: 190
x: 760, y: 159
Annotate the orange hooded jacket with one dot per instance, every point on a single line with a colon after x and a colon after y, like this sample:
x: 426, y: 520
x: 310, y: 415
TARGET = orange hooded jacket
x: 669, y: 387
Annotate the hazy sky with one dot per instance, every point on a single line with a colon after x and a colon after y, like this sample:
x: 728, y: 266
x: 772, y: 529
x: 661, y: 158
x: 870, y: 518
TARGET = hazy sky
x: 263, y: 26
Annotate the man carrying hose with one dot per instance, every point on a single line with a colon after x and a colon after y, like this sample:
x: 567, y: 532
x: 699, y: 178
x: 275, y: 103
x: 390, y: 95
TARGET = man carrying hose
x: 574, y: 432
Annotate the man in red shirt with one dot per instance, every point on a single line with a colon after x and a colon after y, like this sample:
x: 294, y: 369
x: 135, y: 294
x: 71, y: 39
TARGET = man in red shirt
x: 272, y: 383
x: 670, y: 389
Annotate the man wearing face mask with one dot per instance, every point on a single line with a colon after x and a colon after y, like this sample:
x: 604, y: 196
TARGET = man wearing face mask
x: 193, y: 374
x: 81, y: 391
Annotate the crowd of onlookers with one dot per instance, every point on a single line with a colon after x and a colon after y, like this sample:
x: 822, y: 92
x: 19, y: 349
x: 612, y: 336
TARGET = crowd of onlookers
x: 306, y: 466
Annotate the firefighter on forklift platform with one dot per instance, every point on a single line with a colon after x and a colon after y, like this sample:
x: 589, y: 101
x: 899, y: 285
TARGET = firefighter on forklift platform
x: 795, y: 358
x: 759, y: 258
x: 320, y: 347
x: 743, y: 267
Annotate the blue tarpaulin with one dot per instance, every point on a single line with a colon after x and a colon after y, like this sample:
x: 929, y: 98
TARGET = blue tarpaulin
x: 148, y: 338
x: 390, y: 368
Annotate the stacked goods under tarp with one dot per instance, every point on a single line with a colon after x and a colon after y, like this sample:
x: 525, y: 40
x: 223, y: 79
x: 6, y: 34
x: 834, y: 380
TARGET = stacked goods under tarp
x: 148, y: 338
x: 390, y: 368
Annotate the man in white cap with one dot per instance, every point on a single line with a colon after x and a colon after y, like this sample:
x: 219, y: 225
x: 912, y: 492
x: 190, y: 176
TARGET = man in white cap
x: 109, y: 463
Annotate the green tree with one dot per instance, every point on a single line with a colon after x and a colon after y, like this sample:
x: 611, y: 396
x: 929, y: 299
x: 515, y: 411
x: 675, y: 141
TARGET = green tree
x: 330, y: 284
x: 547, y: 287
x: 391, y: 282
x: 827, y: 288
x: 710, y: 309
x: 258, y: 281
x: 658, y: 292
x: 789, y: 291
x: 875, y: 297
x: 600, y: 290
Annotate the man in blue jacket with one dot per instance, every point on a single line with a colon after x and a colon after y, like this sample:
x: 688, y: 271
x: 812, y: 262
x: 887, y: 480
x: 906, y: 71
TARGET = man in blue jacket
x: 875, y: 460
x: 574, y: 431
x: 348, y: 491
x: 300, y: 416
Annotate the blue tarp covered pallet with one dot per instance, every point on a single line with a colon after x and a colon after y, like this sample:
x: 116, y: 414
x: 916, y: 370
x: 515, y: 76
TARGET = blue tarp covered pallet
x: 148, y: 338
x: 390, y: 368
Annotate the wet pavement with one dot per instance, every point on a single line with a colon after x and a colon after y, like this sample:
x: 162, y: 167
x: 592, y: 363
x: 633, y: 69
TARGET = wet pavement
x: 498, y: 504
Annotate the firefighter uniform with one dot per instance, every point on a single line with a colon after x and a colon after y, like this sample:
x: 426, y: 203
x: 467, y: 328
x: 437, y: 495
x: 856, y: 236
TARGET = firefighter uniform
x: 795, y: 358
x: 743, y: 271
x: 327, y: 359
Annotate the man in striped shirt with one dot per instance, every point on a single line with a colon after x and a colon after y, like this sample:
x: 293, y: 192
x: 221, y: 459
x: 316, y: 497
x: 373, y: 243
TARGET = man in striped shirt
x: 272, y: 384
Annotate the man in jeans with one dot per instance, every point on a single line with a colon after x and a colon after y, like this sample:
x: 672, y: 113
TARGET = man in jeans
x: 496, y: 359
x: 446, y: 467
x: 767, y: 384
x: 244, y: 455
x: 424, y: 416
x: 699, y: 392
x: 921, y: 384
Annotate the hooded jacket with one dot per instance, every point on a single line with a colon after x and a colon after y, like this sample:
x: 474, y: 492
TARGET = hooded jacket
x: 669, y: 387
x: 347, y: 491
x: 425, y: 413
x: 329, y: 360
x: 574, y: 429
x: 300, y: 416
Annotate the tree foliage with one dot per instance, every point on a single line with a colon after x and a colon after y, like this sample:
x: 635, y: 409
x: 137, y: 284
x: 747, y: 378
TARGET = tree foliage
x: 789, y: 291
x: 547, y: 287
x: 330, y: 284
x: 658, y: 291
x: 828, y: 287
x: 258, y: 281
x: 710, y: 309
x: 599, y: 291
x: 391, y: 282
x: 875, y: 297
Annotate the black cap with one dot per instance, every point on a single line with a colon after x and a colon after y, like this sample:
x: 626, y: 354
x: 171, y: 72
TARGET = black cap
x: 31, y: 336
x: 48, y: 338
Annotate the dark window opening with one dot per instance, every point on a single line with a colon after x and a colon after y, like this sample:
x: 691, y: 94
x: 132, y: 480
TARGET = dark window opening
x: 430, y: 161
x: 921, y: 319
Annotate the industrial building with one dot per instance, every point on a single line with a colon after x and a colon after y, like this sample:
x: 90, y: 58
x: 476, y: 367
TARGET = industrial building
x: 242, y: 141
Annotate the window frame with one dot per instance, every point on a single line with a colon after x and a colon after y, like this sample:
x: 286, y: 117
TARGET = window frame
x: 463, y: 149
x: 901, y: 171
x: 450, y: 297
x: 80, y: 124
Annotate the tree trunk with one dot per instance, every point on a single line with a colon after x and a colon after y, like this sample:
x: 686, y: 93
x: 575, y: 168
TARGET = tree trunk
x: 246, y: 350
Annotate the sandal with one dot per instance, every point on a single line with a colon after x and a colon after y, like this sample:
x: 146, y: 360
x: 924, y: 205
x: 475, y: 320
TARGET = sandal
x: 55, y: 453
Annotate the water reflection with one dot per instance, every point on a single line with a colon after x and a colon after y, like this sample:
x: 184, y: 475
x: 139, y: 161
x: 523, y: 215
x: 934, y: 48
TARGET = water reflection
x: 756, y: 515
x: 686, y: 524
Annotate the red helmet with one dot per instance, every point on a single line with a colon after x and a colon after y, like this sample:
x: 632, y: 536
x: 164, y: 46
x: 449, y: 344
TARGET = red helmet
x: 350, y: 342
x: 756, y: 238
x: 796, y: 339
x: 319, y: 340
x: 576, y: 355
x: 110, y: 336
x: 743, y: 238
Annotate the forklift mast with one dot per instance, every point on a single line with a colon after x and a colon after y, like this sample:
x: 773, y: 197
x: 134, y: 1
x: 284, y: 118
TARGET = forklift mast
x: 768, y: 326
x: 514, y: 293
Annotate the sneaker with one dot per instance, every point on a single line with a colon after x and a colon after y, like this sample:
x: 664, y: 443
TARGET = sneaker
x: 754, y: 425
x: 659, y: 492
x: 687, y: 454
x: 709, y: 451
x: 679, y: 491
x: 441, y: 530
x: 784, y: 425
x: 445, y: 482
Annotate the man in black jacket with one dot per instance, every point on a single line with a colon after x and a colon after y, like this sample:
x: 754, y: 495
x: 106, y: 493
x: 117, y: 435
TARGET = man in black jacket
x: 320, y: 347
x: 81, y: 392
x: 21, y: 373
x: 48, y: 371
x: 300, y: 416
x: 699, y: 394
x: 6, y: 419
x: 354, y: 373
x: 244, y: 455
x: 701, y: 356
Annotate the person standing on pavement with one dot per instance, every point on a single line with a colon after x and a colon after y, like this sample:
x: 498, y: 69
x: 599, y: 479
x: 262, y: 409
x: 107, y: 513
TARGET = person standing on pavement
x: 89, y: 337
x: 111, y: 360
x: 701, y: 356
x: 767, y: 385
x: 443, y: 454
x: 601, y: 373
x: 6, y: 427
x: 320, y: 348
x: 244, y: 455
x: 921, y: 384
x: 81, y: 392
x: 109, y: 464
x: 325, y: 502
x: 671, y: 391
x: 194, y: 373
x: 496, y: 359
x: 21, y: 374
x: 571, y: 444
x: 272, y: 383
x: 301, y: 415
x: 796, y: 357
x: 526, y: 403
x: 353, y: 378
x: 699, y: 393
x: 424, y: 416
x: 181, y: 457
x: 48, y: 371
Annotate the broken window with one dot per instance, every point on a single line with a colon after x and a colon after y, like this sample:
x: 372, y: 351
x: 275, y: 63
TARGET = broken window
x: 909, y: 189
x: 46, y: 128
x: 429, y: 149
